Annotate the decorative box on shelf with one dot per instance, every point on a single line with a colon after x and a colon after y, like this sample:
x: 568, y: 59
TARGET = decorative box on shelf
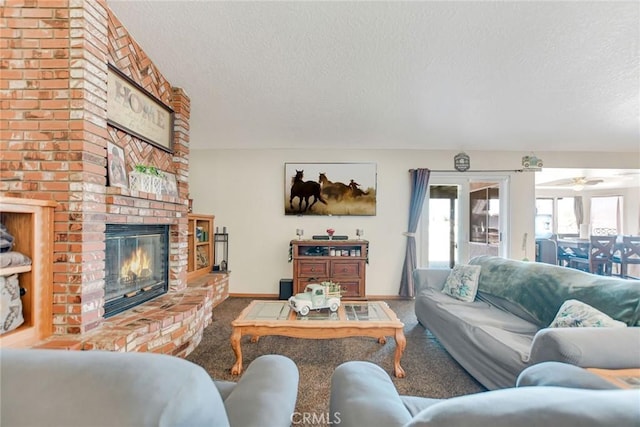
x: 144, y: 182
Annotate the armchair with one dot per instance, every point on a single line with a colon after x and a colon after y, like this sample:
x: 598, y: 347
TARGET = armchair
x: 362, y: 394
x: 99, y: 388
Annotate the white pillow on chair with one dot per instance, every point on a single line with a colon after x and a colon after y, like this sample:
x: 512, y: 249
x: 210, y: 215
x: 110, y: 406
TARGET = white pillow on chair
x: 462, y: 282
x: 574, y: 313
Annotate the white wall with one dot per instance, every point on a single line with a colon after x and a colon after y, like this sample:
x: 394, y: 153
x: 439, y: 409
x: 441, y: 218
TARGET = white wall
x: 244, y: 189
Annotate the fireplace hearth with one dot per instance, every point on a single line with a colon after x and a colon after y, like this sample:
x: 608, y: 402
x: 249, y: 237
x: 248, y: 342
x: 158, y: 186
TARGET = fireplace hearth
x: 137, y: 265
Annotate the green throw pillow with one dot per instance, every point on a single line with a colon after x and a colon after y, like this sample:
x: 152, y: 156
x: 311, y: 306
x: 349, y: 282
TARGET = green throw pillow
x: 574, y: 313
x: 462, y: 282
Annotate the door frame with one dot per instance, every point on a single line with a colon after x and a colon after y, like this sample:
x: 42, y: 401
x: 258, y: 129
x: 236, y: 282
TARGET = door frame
x: 463, y: 181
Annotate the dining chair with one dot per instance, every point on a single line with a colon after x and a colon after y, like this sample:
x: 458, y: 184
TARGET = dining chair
x: 599, y: 256
x: 604, y: 231
x: 547, y: 251
x: 629, y: 254
x: 564, y: 254
x: 580, y: 254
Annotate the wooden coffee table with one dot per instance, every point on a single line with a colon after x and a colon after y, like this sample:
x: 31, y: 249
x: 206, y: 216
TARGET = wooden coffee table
x: 353, y: 319
x: 623, y: 378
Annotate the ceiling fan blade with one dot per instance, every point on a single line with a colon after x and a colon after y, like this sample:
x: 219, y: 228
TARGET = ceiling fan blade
x: 593, y: 181
x: 557, y: 182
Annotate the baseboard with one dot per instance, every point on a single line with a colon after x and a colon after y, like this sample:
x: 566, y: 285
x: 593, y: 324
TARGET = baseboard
x: 255, y: 296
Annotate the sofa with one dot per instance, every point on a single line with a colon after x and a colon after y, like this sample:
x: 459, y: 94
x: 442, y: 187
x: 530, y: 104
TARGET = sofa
x: 505, y: 328
x: 363, y: 394
x: 99, y: 388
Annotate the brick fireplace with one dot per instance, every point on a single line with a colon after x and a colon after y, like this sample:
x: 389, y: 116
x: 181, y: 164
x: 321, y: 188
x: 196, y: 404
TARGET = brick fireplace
x: 53, y: 145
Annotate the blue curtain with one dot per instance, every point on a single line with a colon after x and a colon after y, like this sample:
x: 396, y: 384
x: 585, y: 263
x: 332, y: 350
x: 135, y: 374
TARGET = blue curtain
x: 419, y: 187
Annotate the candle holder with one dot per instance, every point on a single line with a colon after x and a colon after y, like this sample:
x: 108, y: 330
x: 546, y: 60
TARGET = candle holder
x: 359, y: 233
x: 299, y: 233
x: 221, y: 250
x: 330, y: 232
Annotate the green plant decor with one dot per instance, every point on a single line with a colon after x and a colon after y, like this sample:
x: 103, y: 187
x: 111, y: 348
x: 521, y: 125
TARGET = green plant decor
x: 149, y: 170
x: 332, y: 287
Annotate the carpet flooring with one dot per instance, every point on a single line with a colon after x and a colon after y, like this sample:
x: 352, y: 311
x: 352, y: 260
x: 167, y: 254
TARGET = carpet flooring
x: 431, y: 372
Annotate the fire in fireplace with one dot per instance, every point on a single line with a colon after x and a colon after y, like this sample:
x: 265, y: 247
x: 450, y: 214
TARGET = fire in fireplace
x: 137, y: 265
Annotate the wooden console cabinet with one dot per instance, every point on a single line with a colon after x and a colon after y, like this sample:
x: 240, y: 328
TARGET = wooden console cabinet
x: 30, y: 222
x: 340, y: 261
x: 200, y: 245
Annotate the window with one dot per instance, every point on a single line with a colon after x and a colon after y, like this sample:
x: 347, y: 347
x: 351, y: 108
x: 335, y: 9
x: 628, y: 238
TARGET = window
x: 544, y: 218
x: 606, y: 215
x: 555, y: 216
x: 544, y: 206
x: 567, y: 223
x: 559, y: 216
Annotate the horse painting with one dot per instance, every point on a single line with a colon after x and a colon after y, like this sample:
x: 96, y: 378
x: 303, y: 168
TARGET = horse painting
x: 355, y: 191
x: 344, y: 188
x: 334, y: 190
x: 303, y: 190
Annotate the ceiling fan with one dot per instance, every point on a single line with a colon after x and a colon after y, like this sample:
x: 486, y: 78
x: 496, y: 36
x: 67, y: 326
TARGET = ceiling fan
x: 576, y: 183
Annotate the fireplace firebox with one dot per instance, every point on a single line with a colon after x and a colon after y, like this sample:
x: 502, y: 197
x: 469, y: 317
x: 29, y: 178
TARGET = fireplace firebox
x: 137, y: 265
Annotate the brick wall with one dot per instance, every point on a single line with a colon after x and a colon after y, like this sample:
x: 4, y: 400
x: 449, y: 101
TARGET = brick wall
x: 53, y: 140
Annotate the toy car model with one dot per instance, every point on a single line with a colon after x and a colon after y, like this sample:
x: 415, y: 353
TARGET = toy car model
x: 531, y: 162
x: 316, y: 296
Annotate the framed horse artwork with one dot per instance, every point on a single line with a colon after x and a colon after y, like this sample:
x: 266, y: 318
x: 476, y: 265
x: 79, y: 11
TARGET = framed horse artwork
x: 330, y: 189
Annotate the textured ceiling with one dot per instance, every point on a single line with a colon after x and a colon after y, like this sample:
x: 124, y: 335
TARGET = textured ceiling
x: 523, y: 76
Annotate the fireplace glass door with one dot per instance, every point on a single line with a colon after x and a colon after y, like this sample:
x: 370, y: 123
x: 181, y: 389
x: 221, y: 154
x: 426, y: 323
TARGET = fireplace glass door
x: 136, y: 265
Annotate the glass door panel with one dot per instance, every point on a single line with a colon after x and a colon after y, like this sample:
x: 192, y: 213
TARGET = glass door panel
x: 484, y: 217
x: 443, y: 230
x: 462, y: 219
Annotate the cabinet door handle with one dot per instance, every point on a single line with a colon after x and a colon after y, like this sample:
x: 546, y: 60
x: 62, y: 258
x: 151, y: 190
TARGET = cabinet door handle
x: 344, y: 270
x: 313, y: 269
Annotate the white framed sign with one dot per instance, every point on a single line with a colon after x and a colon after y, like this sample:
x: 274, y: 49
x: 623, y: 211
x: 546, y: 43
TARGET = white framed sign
x: 132, y: 109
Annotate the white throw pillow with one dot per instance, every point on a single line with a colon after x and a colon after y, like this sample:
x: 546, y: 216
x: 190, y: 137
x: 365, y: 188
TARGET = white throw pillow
x: 10, y: 304
x: 462, y: 282
x: 574, y: 313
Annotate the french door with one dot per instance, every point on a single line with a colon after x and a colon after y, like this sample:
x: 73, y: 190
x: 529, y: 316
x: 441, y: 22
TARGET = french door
x: 463, y: 217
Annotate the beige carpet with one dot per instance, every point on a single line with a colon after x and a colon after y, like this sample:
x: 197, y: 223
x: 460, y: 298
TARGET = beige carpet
x: 431, y: 372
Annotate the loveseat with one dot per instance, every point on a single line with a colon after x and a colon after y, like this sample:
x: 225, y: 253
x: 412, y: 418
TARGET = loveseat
x: 363, y: 394
x: 506, y: 327
x: 99, y: 388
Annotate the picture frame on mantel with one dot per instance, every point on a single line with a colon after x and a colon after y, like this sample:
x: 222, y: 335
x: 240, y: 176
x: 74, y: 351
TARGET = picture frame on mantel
x: 347, y: 189
x: 116, y: 169
x: 137, y: 112
x: 170, y: 185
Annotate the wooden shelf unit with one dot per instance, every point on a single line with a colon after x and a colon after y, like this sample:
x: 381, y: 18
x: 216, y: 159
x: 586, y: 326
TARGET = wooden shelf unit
x: 326, y: 260
x: 30, y: 222
x: 200, y: 245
